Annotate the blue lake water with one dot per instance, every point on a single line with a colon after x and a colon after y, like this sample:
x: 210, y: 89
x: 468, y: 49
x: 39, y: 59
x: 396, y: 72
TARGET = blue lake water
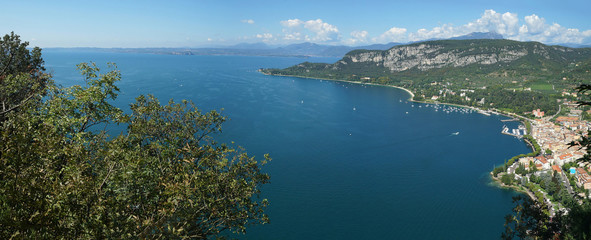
x: 349, y: 162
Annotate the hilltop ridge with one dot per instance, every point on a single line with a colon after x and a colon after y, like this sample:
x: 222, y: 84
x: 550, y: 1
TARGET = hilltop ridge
x: 434, y: 68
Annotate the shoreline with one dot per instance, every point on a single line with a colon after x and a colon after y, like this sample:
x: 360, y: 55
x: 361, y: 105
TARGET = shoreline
x: 411, y: 98
x: 497, y: 181
x: 412, y: 95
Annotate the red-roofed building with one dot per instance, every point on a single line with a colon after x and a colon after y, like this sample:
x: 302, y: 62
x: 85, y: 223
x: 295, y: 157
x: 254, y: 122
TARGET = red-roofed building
x: 578, y: 155
x: 564, y: 158
x: 541, y: 160
x: 567, y: 119
x: 538, y: 113
x: 556, y: 168
x: 583, y: 178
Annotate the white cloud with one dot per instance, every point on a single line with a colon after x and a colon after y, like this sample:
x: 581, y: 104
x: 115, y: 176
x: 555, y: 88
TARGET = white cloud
x: 266, y: 37
x: 249, y: 21
x: 534, y: 28
x: 359, y: 34
x: 292, y: 23
x: 311, y: 30
x: 292, y: 36
x: 444, y: 31
x: 529, y: 28
x: 505, y: 24
x: 357, y: 37
x: 491, y: 21
x: 534, y: 24
x: 523, y: 29
x: 393, y: 34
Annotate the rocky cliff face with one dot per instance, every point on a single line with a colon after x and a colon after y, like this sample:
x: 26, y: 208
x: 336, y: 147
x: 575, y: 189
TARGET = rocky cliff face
x: 447, y: 59
x: 432, y: 55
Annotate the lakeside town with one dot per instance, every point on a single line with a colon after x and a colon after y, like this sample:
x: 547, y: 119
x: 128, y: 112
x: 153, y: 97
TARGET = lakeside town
x: 551, y: 174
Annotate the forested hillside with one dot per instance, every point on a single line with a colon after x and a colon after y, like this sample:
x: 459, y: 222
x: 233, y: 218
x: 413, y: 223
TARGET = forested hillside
x: 503, y: 72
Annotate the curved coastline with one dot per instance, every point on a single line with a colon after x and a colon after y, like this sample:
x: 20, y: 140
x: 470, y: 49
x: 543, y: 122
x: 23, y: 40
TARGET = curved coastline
x: 411, y: 98
x: 412, y: 95
x: 498, y: 183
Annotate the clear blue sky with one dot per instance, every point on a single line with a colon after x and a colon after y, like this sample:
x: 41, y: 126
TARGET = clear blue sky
x: 199, y: 23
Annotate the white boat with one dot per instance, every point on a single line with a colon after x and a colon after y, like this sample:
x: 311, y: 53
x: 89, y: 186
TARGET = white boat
x: 484, y: 113
x: 456, y: 133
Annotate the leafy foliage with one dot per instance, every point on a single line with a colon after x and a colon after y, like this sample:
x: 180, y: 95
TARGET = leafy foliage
x: 529, y: 219
x: 61, y: 177
x: 21, y: 74
x: 585, y: 141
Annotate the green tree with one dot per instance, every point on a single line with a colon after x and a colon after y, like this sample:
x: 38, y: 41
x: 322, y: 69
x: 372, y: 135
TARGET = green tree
x: 507, y: 179
x: 585, y: 141
x: 63, y: 177
x: 529, y: 219
x: 533, y: 167
x: 521, y: 170
x: 548, y: 152
x: 21, y: 74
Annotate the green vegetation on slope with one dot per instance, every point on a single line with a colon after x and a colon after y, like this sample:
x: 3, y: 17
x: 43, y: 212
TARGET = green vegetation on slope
x: 510, y: 75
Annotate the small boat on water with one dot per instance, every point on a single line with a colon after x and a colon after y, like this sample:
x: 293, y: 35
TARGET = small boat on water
x: 456, y: 133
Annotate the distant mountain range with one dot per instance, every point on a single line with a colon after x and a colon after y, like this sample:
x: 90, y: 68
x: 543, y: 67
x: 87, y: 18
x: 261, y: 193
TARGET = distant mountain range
x: 479, y: 35
x: 306, y: 49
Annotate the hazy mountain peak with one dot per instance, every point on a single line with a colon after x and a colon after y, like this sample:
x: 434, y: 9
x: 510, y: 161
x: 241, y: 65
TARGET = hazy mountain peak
x: 479, y: 35
x: 258, y: 45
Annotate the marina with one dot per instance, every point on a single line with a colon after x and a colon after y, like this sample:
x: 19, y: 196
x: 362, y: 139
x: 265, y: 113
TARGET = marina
x: 516, y: 132
x: 510, y: 120
x: 449, y: 108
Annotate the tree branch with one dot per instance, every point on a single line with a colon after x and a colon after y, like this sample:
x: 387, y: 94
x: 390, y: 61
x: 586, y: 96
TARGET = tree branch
x: 105, y: 180
x: 7, y: 64
x: 16, y: 106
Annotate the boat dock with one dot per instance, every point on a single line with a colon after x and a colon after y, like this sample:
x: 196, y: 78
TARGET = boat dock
x: 510, y: 120
x: 485, y: 113
x: 519, y: 132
